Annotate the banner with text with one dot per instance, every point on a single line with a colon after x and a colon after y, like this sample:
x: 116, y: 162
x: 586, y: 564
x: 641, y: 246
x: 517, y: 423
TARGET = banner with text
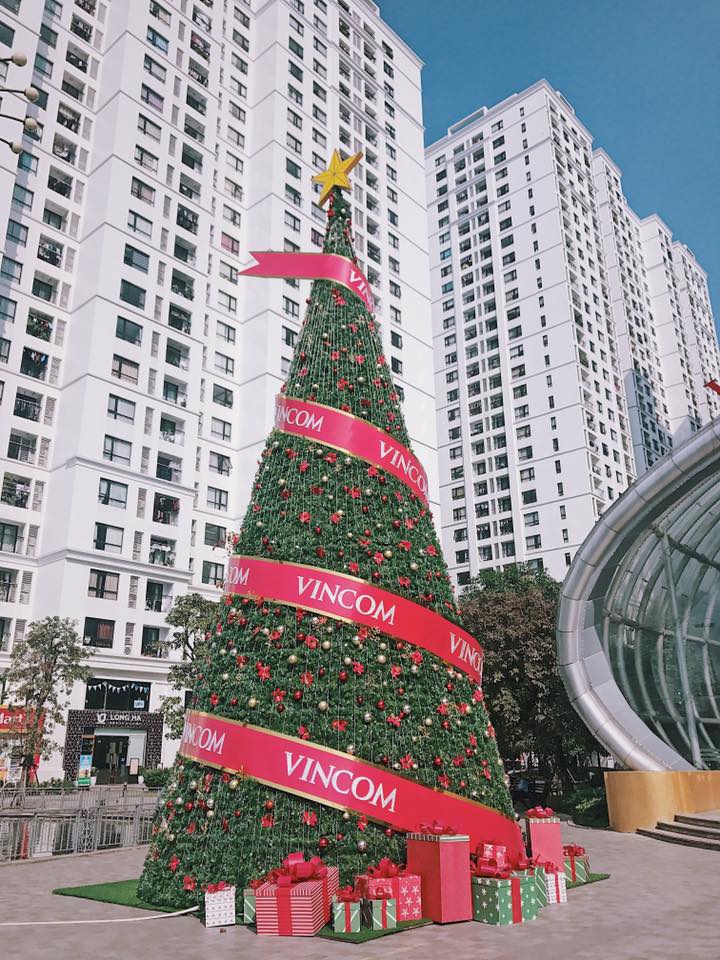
x: 351, y: 434
x: 312, y: 266
x: 340, y: 780
x: 355, y: 601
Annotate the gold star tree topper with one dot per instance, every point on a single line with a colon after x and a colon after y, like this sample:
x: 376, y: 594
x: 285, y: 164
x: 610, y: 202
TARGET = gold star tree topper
x: 336, y: 174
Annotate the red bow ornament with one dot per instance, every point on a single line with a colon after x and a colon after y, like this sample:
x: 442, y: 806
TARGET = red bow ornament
x: 540, y: 813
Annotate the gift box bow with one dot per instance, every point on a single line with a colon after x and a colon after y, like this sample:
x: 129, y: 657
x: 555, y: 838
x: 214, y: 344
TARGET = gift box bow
x: 529, y: 863
x: 437, y: 827
x: 573, y: 850
x: 348, y: 894
x: 489, y: 867
x: 382, y: 895
x: 254, y: 884
x: 295, y: 868
x: 540, y: 813
x: 217, y: 887
x: 386, y: 868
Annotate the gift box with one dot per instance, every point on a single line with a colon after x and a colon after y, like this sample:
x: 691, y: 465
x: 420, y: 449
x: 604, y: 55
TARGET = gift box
x: 389, y: 879
x: 295, y: 900
x: 441, y: 860
x: 504, y: 899
x: 380, y: 913
x: 555, y: 886
x: 219, y: 905
x: 543, y: 836
x: 492, y: 851
x: 346, y: 910
x: 577, y: 863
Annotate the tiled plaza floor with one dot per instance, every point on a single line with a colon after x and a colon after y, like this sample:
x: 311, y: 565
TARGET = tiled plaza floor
x: 662, y: 902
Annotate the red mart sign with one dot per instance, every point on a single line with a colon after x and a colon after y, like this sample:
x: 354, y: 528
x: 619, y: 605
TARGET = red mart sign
x: 12, y: 720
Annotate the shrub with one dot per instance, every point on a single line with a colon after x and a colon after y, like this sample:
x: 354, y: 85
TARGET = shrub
x: 156, y: 777
x: 587, y: 806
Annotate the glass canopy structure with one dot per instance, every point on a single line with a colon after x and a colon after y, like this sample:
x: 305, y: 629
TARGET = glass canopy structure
x: 639, y: 620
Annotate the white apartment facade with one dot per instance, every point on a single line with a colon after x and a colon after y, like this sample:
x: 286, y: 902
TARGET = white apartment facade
x: 138, y: 372
x: 572, y: 339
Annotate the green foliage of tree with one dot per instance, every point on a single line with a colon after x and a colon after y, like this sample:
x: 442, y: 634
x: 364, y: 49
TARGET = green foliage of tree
x: 514, y: 612
x: 44, y: 667
x: 192, y: 617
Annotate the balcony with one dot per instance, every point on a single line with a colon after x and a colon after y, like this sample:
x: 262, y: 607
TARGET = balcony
x: 77, y: 60
x: 192, y: 159
x: 60, y: 184
x: 189, y: 189
x: 171, y: 432
x: 185, y: 253
x: 174, y: 393
x: 45, y: 289
x: 177, y: 357
x: 162, y: 552
x: 15, y: 491
x: 199, y: 76
x: 87, y: 5
x: 27, y: 406
x: 194, y: 130
x: 77, y: 93
x: 68, y: 118
x: 50, y: 252
x: 182, y: 286
x: 34, y: 364
x: 179, y: 319
x: 200, y: 46
x: 81, y: 29
x: 22, y: 447
x: 165, y: 509
x: 196, y: 102
x: 168, y: 469
x: 8, y: 586
x: 156, y: 597
x: 10, y: 542
x: 187, y: 219
x: 64, y: 150
x: 39, y: 325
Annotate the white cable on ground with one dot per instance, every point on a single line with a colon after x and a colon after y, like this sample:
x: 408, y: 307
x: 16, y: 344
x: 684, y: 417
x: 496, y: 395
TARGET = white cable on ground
x: 50, y: 923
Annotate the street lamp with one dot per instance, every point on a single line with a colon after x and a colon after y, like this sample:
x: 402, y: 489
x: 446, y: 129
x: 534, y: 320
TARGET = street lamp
x: 19, y: 59
x: 31, y: 94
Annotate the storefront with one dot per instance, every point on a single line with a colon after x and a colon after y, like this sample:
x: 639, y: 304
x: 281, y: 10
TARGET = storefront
x: 116, y: 729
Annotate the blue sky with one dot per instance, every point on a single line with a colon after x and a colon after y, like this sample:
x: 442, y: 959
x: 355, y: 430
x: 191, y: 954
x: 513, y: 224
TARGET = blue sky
x: 642, y: 75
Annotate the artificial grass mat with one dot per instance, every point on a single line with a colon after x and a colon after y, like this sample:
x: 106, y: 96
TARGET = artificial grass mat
x: 123, y: 892
x: 592, y: 878
x: 365, y: 933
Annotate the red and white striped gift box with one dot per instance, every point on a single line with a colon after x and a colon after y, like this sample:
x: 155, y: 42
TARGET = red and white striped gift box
x: 292, y: 910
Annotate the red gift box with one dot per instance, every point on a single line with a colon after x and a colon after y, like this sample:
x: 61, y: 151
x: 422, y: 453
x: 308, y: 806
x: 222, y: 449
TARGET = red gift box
x: 295, y: 899
x: 493, y: 851
x: 442, y: 861
x: 390, y: 879
x: 544, y: 837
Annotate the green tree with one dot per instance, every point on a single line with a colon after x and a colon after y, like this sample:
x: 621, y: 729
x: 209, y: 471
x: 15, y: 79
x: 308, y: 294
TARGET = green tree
x: 44, y: 666
x: 330, y: 681
x: 514, y: 612
x: 192, y: 617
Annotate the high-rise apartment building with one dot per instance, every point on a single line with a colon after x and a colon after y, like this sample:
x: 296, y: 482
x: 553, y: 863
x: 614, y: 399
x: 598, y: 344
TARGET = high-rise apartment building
x: 138, y: 372
x: 572, y: 339
x: 533, y: 429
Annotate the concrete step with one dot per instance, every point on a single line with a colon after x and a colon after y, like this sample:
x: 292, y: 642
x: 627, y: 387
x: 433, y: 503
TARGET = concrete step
x: 690, y: 829
x: 682, y: 838
x: 699, y: 820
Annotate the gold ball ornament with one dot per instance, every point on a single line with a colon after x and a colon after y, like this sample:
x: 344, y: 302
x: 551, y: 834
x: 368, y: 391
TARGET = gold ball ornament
x: 326, y: 644
x: 362, y: 846
x: 292, y: 659
x: 210, y: 814
x: 252, y: 703
x: 413, y: 566
x: 323, y: 706
x: 387, y: 554
x: 350, y: 748
x: 234, y: 784
x: 381, y: 658
x: 226, y: 677
x: 346, y: 816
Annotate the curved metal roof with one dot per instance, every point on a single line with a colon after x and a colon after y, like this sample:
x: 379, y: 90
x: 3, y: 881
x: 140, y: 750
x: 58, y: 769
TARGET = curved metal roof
x: 638, y: 627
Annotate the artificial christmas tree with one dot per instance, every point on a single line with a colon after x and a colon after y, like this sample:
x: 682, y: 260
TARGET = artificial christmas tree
x: 338, y: 703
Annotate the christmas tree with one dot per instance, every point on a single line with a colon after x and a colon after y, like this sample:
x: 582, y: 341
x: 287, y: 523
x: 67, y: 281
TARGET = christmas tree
x: 333, y: 682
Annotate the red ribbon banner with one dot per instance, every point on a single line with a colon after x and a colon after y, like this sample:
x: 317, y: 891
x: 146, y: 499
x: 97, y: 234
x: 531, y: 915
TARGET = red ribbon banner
x: 355, y: 601
x: 338, y: 779
x: 343, y: 431
x: 312, y: 266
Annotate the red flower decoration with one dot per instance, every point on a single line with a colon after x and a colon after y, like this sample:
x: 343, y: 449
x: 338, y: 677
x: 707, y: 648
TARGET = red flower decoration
x: 306, y: 678
x: 416, y: 657
x: 358, y: 668
x: 309, y: 818
x: 404, y: 581
x: 478, y: 695
x: 431, y: 551
x: 303, y: 466
x: 303, y: 732
x: 304, y: 517
x: 191, y: 827
x: 278, y: 695
x: 214, y: 699
x: 393, y: 720
x: 335, y: 518
x: 268, y: 820
x: 378, y: 558
x: 173, y: 863
x: 340, y: 725
x: 395, y: 671
x: 354, y: 567
x: 404, y: 545
x: 444, y: 781
x: 406, y: 762
x: 263, y: 671
x: 188, y: 882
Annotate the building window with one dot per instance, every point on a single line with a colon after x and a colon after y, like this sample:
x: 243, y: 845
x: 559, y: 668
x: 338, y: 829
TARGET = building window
x: 217, y: 499
x: 120, y: 409
x: 125, y: 369
x: 113, y: 494
x: 103, y: 585
x: 128, y: 330
x: 136, y: 258
x: 215, y: 536
x: 222, y: 395
x: 98, y: 633
x: 119, y: 451
x: 108, y: 538
x: 132, y: 294
x: 213, y: 573
x: 220, y: 429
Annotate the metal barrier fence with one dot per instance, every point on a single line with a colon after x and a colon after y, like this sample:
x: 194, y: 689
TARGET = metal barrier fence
x: 32, y: 836
x: 57, y: 798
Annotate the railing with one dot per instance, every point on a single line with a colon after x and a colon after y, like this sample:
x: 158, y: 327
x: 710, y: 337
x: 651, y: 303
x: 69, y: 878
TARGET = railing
x: 37, y: 836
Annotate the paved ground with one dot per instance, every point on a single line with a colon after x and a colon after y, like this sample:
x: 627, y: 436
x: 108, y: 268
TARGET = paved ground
x: 661, y: 903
